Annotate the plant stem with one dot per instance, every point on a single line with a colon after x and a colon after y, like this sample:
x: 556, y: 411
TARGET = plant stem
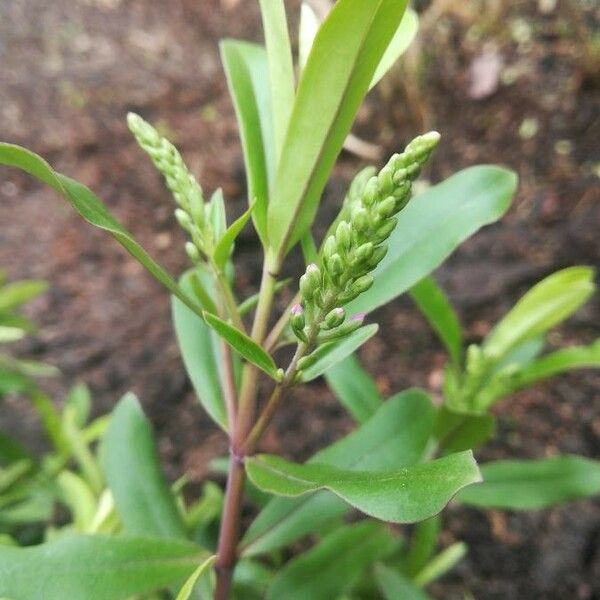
x: 228, y: 537
x: 230, y: 524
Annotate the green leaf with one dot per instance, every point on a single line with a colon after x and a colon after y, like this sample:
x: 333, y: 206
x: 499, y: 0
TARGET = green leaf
x: 394, y: 585
x: 403, y: 496
x: 545, y: 305
x: 562, y: 361
x: 441, y: 564
x: 456, y: 431
x: 281, y: 69
x: 333, y: 352
x: 354, y: 388
x: 534, y: 484
x: 423, y: 543
x: 80, y: 499
x: 95, y: 567
x: 243, y: 344
x: 247, y: 70
x: 188, y: 587
x: 224, y: 246
x: 333, y: 566
x: 133, y: 473
x: 402, y: 39
x: 91, y: 209
x: 11, y: 334
x: 20, y: 292
x: 437, y: 309
x: 383, y: 443
x: 196, y: 347
x: 341, y: 65
x: 433, y: 225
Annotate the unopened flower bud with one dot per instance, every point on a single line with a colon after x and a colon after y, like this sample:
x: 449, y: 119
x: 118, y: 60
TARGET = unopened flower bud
x: 343, y: 235
x: 360, y: 219
x: 334, y: 319
x: 371, y: 192
x: 298, y: 320
x: 335, y: 267
x: 362, y: 284
x: 385, y: 179
x: 330, y: 247
x: 192, y: 252
x: 384, y: 232
x: 343, y: 330
x: 378, y: 255
x: 183, y: 219
x: 310, y: 282
x: 363, y: 254
x: 387, y: 207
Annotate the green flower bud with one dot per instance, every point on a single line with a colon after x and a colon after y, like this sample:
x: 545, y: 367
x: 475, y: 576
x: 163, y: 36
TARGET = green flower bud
x: 307, y: 361
x: 387, y: 207
x: 385, y: 179
x: 192, y: 252
x: 343, y: 236
x: 343, y: 330
x: 360, y: 219
x: 371, y: 192
x: 362, y: 284
x: 378, y: 255
x: 310, y: 283
x: 334, y: 319
x: 298, y: 322
x: 363, y: 254
x: 384, y: 232
x: 330, y: 247
x: 183, y: 219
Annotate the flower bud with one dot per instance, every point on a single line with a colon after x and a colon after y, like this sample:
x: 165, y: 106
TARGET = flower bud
x: 387, y: 207
x: 371, y: 192
x: 362, y: 284
x: 343, y: 330
x: 343, y: 235
x: 335, y: 267
x: 298, y: 322
x: 363, y: 254
x: 378, y: 255
x: 334, y: 319
x: 385, y: 179
x: 183, y: 219
x: 360, y: 219
x: 384, y: 232
x: 330, y: 247
x: 192, y: 252
x: 310, y: 282
x: 307, y: 361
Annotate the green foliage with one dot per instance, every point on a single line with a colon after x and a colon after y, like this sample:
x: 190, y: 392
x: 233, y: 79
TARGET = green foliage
x: 95, y: 567
x: 133, y: 474
x: 405, y: 496
x: 527, y: 485
x: 406, y: 459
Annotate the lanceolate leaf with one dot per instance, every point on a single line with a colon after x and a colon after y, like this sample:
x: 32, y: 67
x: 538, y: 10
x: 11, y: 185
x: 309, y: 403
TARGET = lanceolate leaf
x: 19, y: 292
x: 402, y: 39
x: 578, y: 357
x: 404, y: 496
x: 434, y: 304
x: 95, y: 567
x: 247, y: 70
x: 197, y: 350
x: 91, y: 209
x: 185, y: 593
x: 281, y: 69
x: 332, y: 353
x: 341, y: 65
x: 354, y: 388
x: 142, y: 497
x: 433, y: 225
x: 333, y: 566
x: 545, y: 305
x: 529, y: 485
x: 243, y: 344
x: 383, y: 443
x: 394, y: 585
x: 225, y: 244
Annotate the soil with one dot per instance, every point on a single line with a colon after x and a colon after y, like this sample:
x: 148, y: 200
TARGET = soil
x: 70, y: 72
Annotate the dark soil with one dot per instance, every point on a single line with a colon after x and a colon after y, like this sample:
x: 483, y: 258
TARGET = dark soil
x: 70, y: 72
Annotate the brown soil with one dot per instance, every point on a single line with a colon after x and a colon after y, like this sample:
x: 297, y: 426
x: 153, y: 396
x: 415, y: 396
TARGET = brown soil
x: 71, y: 70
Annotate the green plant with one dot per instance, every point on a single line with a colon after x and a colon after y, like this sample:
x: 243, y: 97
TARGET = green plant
x: 380, y: 246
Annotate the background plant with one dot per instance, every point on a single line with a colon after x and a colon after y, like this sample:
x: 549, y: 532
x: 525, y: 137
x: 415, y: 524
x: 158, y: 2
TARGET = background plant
x: 287, y: 170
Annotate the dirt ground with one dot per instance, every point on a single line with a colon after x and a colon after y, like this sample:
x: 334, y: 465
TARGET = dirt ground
x: 512, y: 85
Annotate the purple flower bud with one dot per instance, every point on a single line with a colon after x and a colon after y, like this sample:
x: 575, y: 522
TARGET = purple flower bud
x: 360, y: 317
x: 297, y: 309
